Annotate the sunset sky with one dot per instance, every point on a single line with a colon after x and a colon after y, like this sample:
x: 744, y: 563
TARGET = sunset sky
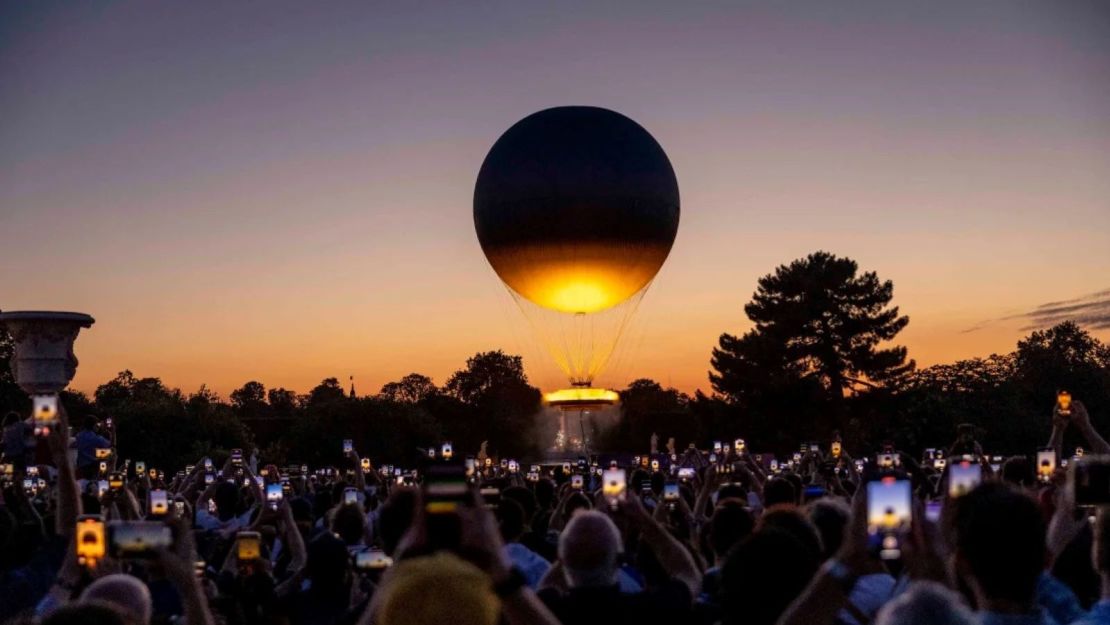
x: 282, y: 191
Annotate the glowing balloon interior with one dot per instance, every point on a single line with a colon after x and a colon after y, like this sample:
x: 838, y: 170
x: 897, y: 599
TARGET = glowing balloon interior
x: 576, y: 208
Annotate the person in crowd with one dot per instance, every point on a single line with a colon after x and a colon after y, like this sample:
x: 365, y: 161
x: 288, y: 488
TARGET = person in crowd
x: 1100, y: 557
x: 926, y: 603
x: 87, y: 441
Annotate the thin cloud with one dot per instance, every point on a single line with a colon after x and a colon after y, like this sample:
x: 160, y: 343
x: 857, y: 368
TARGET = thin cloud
x: 1090, y: 311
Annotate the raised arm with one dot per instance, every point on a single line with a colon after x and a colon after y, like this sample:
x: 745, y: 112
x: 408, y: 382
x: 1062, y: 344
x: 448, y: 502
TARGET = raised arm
x: 69, y: 499
x: 1082, y: 420
x: 670, y: 553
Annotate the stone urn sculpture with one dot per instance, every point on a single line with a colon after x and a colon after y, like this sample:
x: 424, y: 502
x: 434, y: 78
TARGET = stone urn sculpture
x: 43, y: 362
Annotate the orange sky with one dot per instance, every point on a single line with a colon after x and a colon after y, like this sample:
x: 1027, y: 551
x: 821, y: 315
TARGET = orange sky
x: 286, y: 196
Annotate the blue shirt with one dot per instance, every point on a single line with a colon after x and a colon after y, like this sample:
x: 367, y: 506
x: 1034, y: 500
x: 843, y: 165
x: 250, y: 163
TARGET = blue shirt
x: 993, y: 618
x: 1058, y: 599
x: 87, y: 442
x: 1099, y: 614
x: 530, y: 563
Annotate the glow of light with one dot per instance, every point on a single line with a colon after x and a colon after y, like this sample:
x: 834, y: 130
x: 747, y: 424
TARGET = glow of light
x: 585, y: 395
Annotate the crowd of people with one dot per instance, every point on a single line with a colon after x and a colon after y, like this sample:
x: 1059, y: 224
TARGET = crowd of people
x: 715, y: 535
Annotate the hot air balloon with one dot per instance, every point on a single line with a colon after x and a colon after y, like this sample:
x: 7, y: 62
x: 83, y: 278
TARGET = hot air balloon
x: 576, y: 208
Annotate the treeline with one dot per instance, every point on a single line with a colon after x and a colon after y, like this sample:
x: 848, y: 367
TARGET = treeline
x: 818, y: 361
x: 1009, y: 398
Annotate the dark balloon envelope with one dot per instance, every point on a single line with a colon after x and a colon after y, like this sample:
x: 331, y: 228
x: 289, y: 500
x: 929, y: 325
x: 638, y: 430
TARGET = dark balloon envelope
x: 576, y: 208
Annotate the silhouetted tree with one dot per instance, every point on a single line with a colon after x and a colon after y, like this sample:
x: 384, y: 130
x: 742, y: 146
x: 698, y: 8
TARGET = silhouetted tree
x: 283, y: 403
x: 249, y: 400
x: 411, y: 389
x: 647, y: 408
x: 503, y: 405
x: 327, y: 391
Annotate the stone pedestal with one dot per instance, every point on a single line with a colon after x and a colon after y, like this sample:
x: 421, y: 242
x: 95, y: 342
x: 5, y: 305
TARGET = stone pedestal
x: 43, y: 362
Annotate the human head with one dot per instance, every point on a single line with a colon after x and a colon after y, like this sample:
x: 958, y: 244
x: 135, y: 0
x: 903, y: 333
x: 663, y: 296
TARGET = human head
x: 830, y: 517
x: 395, y: 517
x: 762, y: 575
x: 11, y: 418
x: 226, y: 497
x: 89, y: 422
x: 328, y: 562
x: 732, y: 522
x: 86, y: 613
x: 510, y: 517
x: 589, y: 549
x: 435, y: 589
x: 126, y: 594
x: 779, y: 491
x: 999, y: 538
x: 791, y: 520
x: 926, y: 603
x: 349, y: 523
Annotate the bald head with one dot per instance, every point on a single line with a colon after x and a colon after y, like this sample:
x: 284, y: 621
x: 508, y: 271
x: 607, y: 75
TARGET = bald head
x: 124, y: 592
x: 589, y: 548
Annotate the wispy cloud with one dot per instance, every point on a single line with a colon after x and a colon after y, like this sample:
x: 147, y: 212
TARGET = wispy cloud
x: 1091, y: 311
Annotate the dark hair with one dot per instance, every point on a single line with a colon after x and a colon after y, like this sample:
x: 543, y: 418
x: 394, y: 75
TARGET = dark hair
x: 830, y: 519
x: 395, y: 517
x: 349, y: 523
x: 779, y: 490
x: 762, y: 575
x: 510, y: 515
x: 1018, y: 471
x: 545, y: 494
x: 1000, y: 534
x: 85, y: 613
x: 11, y: 418
x: 89, y: 422
x: 731, y: 523
x: 327, y: 562
x: 522, y: 496
x: 226, y: 497
x: 793, y: 521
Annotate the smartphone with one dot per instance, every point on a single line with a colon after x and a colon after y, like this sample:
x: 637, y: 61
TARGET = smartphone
x: 814, y: 448
x: 444, y: 488
x: 101, y: 488
x: 350, y: 496
x: 348, y: 446
x: 471, y: 466
x: 670, y: 492
x: 888, y: 515
x: 140, y: 468
x: 1063, y: 403
x: 115, y: 480
x: 365, y: 465
x: 835, y: 449
x: 248, y: 546
x: 274, y: 495
x: 713, y: 458
x: 237, y: 457
x: 963, y: 477
x: 103, y: 453
x: 576, y: 481
x: 686, y: 474
x: 45, y: 413
x: 930, y: 453
x: 939, y: 464
x: 209, y: 479
x: 1090, y: 481
x: 533, y: 476
x: 774, y: 466
x: 137, y: 539
x: 613, y: 484
x: 717, y: 447
x: 739, y: 446
x: 159, y: 503
x: 207, y: 464
x: 179, y: 508
x: 372, y: 560
x: 654, y: 465
x: 885, y: 461
x: 1046, y: 463
x: 513, y: 466
x: 90, y: 539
